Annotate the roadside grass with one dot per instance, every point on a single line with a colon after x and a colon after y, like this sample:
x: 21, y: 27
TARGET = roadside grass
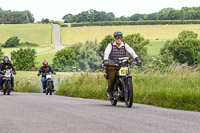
x: 28, y: 81
x: 71, y: 35
x: 35, y: 33
x: 176, y: 89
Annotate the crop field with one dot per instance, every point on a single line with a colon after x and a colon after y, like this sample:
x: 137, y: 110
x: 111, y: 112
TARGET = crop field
x: 73, y: 35
x: 35, y: 33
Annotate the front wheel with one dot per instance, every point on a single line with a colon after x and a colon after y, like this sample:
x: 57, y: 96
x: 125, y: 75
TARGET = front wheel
x: 8, y: 87
x: 128, y: 92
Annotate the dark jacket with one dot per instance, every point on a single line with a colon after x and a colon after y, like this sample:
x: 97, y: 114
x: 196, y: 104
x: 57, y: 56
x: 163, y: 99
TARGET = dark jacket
x: 45, y: 70
x: 4, y: 66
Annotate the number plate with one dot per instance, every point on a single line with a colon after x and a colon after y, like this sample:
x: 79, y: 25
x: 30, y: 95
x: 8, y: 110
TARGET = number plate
x: 123, y: 71
x: 48, y: 76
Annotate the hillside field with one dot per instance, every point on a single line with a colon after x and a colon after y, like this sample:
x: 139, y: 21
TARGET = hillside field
x: 73, y: 35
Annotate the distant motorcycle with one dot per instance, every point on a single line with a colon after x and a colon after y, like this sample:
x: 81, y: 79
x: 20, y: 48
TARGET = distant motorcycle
x: 7, y: 82
x: 48, y: 84
x: 123, y: 88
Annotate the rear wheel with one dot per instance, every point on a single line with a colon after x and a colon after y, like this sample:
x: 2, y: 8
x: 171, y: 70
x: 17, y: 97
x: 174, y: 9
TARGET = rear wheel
x: 128, y: 92
x: 50, y: 88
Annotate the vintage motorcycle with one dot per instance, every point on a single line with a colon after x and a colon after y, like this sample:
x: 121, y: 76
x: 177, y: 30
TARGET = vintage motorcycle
x: 123, y: 88
x: 48, y: 84
x: 7, y: 82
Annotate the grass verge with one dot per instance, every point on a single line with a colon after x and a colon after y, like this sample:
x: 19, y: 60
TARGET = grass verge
x: 175, y: 90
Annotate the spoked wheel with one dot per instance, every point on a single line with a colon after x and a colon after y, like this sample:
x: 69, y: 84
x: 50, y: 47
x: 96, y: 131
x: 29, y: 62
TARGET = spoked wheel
x: 50, y: 88
x: 8, y: 87
x: 128, y: 92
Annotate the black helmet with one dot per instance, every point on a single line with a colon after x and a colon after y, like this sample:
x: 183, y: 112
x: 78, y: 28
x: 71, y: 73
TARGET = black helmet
x: 6, y: 59
x: 117, y: 33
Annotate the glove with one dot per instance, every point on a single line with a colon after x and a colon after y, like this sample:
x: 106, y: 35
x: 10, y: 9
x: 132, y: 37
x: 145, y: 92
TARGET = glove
x: 54, y: 73
x: 138, y: 60
x: 106, y: 62
x: 14, y: 73
x: 38, y: 74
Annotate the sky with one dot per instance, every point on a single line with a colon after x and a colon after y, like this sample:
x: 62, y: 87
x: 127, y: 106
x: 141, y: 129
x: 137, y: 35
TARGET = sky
x: 56, y: 9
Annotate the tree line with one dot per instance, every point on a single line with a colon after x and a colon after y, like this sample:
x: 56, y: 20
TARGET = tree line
x: 186, y: 13
x: 15, y: 17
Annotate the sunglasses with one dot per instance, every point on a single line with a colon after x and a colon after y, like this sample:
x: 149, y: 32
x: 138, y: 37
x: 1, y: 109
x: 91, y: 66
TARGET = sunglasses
x: 118, y: 37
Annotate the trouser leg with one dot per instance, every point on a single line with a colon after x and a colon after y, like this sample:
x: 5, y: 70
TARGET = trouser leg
x: 1, y: 81
x: 43, y: 82
x: 111, y: 77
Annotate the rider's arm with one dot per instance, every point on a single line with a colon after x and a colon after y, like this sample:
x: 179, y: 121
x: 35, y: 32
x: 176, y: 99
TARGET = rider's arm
x: 130, y: 51
x: 51, y: 69
x: 40, y: 71
x: 107, y: 52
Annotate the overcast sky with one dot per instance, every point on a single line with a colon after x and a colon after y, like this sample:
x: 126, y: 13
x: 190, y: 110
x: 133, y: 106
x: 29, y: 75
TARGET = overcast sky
x: 56, y: 9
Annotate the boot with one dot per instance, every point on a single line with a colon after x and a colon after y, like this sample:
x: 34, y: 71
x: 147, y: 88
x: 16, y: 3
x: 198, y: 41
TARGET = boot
x: 110, y: 96
x: 12, y: 89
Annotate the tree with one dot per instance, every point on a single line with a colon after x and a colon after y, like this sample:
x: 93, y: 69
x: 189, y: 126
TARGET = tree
x: 11, y: 42
x: 45, y: 21
x: 184, y: 49
x: 104, y: 43
x: 67, y: 18
x: 187, y: 34
x: 24, y: 59
x: 138, y: 43
x: 64, y: 60
x: 1, y: 53
x: 88, y: 58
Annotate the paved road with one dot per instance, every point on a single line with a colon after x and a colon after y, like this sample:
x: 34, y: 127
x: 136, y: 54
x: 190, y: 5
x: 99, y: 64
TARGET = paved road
x: 58, y: 45
x: 38, y: 113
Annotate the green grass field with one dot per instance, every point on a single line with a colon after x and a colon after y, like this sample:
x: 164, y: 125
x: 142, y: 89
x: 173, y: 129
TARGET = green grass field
x: 48, y: 57
x: 73, y: 35
x: 154, y: 47
x: 35, y: 33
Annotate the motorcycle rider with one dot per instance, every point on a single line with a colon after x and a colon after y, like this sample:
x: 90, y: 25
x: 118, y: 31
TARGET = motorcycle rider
x: 45, y: 69
x: 6, y: 64
x: 113, y: 51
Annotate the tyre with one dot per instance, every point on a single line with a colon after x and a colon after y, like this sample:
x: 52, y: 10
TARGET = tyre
x: 128, y: 92
x: 4, y: 92
x: 113, y: 102
x: 50, y: 88
x: 8, y: 87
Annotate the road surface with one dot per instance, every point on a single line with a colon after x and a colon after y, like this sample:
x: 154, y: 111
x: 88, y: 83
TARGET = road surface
x: 38, y: 113
x: 58, y: 45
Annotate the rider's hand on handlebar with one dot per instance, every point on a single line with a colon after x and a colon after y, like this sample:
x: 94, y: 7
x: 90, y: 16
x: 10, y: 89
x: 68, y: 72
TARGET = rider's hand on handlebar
x: 38, y: 74
x: 54, y: 73
x: 14, y: 73
x: 138, y: 60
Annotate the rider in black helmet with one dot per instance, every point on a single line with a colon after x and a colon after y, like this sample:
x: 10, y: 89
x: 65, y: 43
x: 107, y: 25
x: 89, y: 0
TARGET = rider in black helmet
x: 6, y: 65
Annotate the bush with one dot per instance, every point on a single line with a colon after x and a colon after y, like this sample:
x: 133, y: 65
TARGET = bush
x: 138, y: 43
x: 88, y: 58
x: 144, y: 22
x: 28, y: 44
x: 187, y: 35
x: 64, y: 60
x: 11, y: 42
x: 184, y: 49
x: 24, y: 59
x: 104, y: 43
